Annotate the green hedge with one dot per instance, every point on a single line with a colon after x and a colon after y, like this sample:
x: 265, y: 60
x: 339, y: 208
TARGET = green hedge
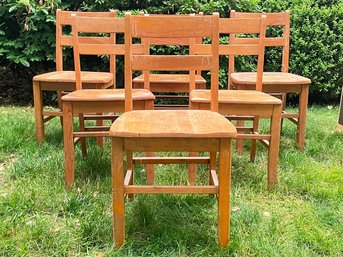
x: 27, y: 37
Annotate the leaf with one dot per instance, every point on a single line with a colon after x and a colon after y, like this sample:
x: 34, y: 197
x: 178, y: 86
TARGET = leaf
x: 12, y: 8
x: 24, y: 62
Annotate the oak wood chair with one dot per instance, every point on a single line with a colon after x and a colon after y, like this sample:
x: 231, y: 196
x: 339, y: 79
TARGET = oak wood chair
x: 94, y: 100
x: 235, y: 104
x: 171, y: 130
x: 275, y: 82
x: 62, y: 80
x: 172, y: 84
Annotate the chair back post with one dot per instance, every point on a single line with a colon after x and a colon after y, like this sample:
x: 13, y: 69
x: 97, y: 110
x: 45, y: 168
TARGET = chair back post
x: 59, y: 55
x: 231, y: 65
x: 146, y: 50
x: 215, y: 63
x: 286, y: 35
x: 77, y: 64
x: 260, y: 56
x: 127, y: 61
x: 113, y: 57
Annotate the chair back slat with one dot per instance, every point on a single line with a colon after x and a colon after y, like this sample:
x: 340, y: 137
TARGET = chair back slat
x: 188, y: 26
x: 100, y: 25
x: 269, y: 41
x: 240, y: 25
x: 272, y: 19
x: 172, y: 63
x: 63, y: 18
x: 169, y: 41
x: 68, y: 41
x: 104, y: 49
x: 165, y: 30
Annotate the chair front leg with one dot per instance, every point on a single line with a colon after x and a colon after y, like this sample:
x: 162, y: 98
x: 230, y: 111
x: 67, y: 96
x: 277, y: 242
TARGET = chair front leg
x: 118, y: 191
x: 254, y: 141
x: 224, y: 192
x: 69, y: 151
x: 82, y: 139
x: 303, y: 100
x: 275, y: 126
x: 38, y: 105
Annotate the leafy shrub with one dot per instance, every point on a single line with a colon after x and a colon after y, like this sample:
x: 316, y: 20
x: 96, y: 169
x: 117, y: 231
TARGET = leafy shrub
x: 27, y: 35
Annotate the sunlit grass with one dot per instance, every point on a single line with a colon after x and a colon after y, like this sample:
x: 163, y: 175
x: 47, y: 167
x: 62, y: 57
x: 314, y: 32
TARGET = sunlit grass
x: 303, y: 216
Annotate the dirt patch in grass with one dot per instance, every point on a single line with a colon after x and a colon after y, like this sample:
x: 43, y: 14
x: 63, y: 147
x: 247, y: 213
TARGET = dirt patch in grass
x: 4, y: 187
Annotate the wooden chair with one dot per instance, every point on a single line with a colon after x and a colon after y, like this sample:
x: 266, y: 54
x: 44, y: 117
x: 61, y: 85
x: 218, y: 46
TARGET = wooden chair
x: 61, y: 80
x: 235, y: 104
x: 275, y: 82
x: 170, y: 83
x: 171, y: 130
x: 94, y: 100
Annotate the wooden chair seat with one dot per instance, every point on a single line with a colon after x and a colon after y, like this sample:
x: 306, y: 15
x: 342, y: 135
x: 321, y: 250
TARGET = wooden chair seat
x: 109, y: 95
x: 173, y: 124
x: 69, y: 77
x: 269, y: 78
x: 234, y: 97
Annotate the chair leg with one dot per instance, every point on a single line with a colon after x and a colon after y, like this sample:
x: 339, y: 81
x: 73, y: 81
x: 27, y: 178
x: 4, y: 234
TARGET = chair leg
x: 129, y: 166
x: 284, y: 100
x: 212, y: 166
x: 118, y: 192
x: 38, y: 105
x: 274, y: 144
x: 192, y: 170
x: 150, y: 170
x: 69, y: 153
x: 100, y: 140
x: 59, y: 101
x: 303, y: 100
x: 224, y: 192
x: 240, y: 142
x: 82, y: 139
x: 254, y: 141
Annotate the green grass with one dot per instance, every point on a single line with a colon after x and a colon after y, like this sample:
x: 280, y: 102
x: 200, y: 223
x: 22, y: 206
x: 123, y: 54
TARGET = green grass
x: 303, y: 216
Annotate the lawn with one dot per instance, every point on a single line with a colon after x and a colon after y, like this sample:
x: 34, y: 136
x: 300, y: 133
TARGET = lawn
x: 303, y: 216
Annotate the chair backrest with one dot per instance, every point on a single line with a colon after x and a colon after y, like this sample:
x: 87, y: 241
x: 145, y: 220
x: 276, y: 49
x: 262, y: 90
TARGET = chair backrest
x: 96, y: 44
x: 172, y: 27
x: 281, y: 19
x: 190, y: 42
x: 63, y: 18
x: 256, y: 25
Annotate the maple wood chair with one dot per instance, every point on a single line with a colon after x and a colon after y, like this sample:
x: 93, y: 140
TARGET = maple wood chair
x: 275, y: 82
x: 94, y: 100
x: 171, y: 130
x: 62, y: 80
x: 235, y: 104
x: 161, y: 83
